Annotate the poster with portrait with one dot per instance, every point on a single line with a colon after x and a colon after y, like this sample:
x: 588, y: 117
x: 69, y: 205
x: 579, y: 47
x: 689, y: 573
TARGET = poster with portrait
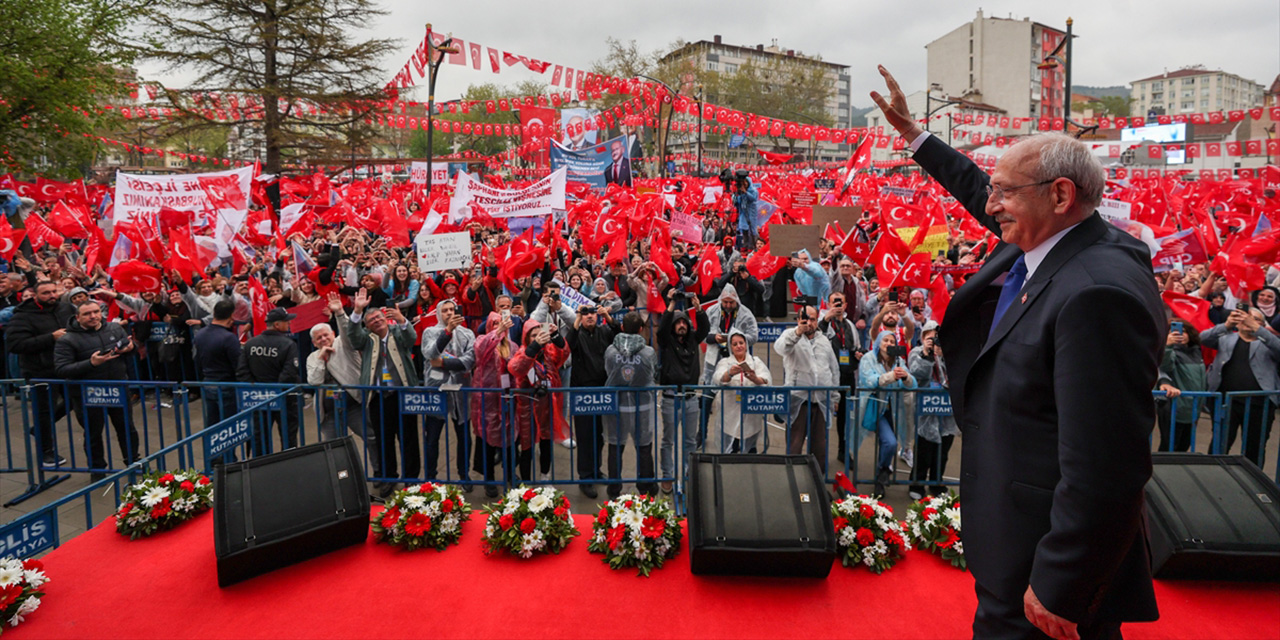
x: 578, y: 127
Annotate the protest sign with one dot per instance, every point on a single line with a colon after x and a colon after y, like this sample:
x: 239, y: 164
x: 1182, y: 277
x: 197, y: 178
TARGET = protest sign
x: 441, y: 251
x: 686, y: 227
x: 786, y: 238
x: 224, y: 192
x: 846, y: 217
x: 418, y: 172
x: 537, y: 199
x: 572, y: 298
x: 1114, y: 209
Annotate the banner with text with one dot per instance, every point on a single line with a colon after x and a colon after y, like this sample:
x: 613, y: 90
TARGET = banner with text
x: 537, y: 199
x: 418, y: 172
x: 595, y: 165
x: 226, y: 193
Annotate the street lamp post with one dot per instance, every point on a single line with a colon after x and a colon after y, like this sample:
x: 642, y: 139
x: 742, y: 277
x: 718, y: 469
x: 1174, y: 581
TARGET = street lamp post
x: 1053, y: 61
x: 929, y: 110
x: 434, y: 67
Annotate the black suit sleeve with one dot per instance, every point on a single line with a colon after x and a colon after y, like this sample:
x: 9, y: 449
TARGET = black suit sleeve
x: 959, y: 176
x: 1103, y: 450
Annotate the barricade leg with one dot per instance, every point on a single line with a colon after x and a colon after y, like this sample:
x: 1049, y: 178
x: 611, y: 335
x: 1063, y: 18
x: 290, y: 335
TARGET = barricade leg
x: 589, y: 434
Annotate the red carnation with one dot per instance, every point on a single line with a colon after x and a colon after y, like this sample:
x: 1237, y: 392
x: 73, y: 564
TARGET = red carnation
x: 528, y: 525
x: 603, y: 516
x: 928, y: 511
x: 506, y: 521
x: 165, y: 479
x: 126, y: 508
x: 32, y: 564
x: 628, y: 504
x: 390, y: 517
x: 562, y: 512
x: 840, y: 523
x: 956, y: 504
x: 427, y: 487
x: 528, y: 495
x: 9, y: 595
x: 653, y: 527
x: 187, y: 486
x: 418, y: 524
x: 203, y: 480
x: 160, y: 510
x: 564, y: 500
x: 952, y: 539
x: 865, y: 537
x: 446, y: 505
x: 893, y: 538
x: 925, y: 499
x: 615, y: 536
x: 867, y: 511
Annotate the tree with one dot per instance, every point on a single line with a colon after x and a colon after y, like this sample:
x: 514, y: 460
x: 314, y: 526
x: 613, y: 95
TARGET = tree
x: 278, y: 59
x: 61, y: 59
x: 1106, y: 106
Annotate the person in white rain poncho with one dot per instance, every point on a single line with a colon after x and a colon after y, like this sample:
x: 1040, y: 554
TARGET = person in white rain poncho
x: 739, y: 433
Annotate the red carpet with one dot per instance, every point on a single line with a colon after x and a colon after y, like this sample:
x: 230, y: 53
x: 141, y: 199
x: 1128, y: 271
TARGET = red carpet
x: 105, y: 586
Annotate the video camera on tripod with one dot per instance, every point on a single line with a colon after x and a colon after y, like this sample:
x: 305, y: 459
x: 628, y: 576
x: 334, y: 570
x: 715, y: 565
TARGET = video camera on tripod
x: 730, y: 178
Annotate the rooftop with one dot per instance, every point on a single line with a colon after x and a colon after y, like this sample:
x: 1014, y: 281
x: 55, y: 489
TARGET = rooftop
x: 772, y: 50
x: 1183, y: 73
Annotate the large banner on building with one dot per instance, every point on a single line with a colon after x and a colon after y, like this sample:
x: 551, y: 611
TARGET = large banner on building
x: 538, y: 199
x: 597, y: 165
x: 224, y: 193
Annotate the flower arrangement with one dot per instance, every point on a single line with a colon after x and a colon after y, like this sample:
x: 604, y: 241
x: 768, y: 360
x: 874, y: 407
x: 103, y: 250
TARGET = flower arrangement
x: 20, y: 589
x: 527, y: 520
x: 867, y: 534
x: 162, y: 500
x: 421, y: 516
x: 636, y: 531
x: 934, y: 525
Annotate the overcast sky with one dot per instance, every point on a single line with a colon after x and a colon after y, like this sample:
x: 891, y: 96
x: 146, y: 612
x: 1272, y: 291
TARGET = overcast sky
x: 1118, y: 41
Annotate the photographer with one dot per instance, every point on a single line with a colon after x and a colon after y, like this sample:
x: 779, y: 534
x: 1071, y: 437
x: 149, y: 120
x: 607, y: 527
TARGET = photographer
x: 91, y: 350
x: 535, y: 370
x: 678, y: 349
x: 885, y: 370
x: 934, y: 433
x: 1248, y: 360
x: 746, y: 200
x: 722, y: 318
x: 558, y: 318
x: 844, y: 340
x: 808, y: 360
x: 589, y: 337
x: 750, y: 290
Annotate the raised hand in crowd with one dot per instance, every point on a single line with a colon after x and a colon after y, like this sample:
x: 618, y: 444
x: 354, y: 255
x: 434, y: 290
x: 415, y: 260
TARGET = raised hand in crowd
x: 335, y: 303
x: 361, y: 300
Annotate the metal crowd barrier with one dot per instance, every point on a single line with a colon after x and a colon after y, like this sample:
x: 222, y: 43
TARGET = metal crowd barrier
x: 1252, y: 414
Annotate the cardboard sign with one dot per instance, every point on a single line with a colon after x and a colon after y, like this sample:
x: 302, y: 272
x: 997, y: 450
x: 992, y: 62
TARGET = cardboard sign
x: 786, y: 238
x: 846, y: 217
x: 1114, y: 209
x: 437, y: 252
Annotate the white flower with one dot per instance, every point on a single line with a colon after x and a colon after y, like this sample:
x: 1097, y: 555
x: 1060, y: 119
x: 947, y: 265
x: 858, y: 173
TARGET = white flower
x: 539, y: 503
x: 953, y: 514
x: 29, y: 605
x: 11, y: 562
x: 515, y: 495
x: 35, y: 578
x: 10, y: 576
x: 633, y: 519
x: 488, y: 531
x: 154, y: 496
x: 881, y: 548
x: 959, y: 547
x: 868, y: 560
x: 847, y: 537
x: 549, y: 492
x: 417, y: 488
x: 16, y: 620
x: 415, y: 503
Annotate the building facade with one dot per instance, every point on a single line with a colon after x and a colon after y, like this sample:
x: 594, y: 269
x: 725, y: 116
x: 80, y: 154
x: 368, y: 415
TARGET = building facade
x: 719, y: 57
x: 996, y: 61
x: 1193, y: 90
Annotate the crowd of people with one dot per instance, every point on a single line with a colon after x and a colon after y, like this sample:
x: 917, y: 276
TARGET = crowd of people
x: 581, y: 320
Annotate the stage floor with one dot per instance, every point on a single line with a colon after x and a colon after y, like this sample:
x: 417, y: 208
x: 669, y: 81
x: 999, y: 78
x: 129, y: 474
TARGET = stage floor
x: 105, y: 586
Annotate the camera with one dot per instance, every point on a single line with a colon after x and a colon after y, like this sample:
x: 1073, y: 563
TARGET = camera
x: 541, y: 388
x: 554, y: 296
x: 1242, y: 306
x: 586, y: 310
x: 896, y: 352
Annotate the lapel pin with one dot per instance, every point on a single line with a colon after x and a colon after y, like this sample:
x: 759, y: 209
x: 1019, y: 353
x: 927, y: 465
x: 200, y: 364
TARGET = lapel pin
x: 1024, y: 298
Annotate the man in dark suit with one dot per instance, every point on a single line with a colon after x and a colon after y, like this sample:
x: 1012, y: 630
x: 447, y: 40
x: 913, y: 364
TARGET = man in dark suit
x: 619, y: 172
x: 1053, y: 347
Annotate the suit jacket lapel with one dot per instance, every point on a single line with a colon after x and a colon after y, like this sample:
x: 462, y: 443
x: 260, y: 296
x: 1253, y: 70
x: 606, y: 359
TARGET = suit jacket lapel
x: 1086, y: 233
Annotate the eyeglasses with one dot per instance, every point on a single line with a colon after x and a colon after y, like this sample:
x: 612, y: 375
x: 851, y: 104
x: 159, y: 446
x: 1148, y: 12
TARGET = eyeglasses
x: 996, y: 193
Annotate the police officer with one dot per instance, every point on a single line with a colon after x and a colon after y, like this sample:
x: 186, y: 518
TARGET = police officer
x: 272, y: 357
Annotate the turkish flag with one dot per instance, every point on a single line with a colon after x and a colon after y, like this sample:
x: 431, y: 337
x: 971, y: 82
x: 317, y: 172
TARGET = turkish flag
x: 763, y: 265
x: 775, y: 158
x: 887, y: 256
x: 224, y: 192
x: 1189, y: 308
x: 69, y: 221
x: 10, y: 238
x: 653, y: 298
x: 40, y: 233
x: 939, y: 298
x: 708, y: 268
x: 1155, y: 152
x: 914, y: 272
x: 861, y: 159
x: 1193, y: 151
x: 1253, y: 147
x: 856, y: 249
x: 1213, y: 149
x: 260, y: 305
x: 833, y: 233
x: 1233, y: 148
x: 135, y: 276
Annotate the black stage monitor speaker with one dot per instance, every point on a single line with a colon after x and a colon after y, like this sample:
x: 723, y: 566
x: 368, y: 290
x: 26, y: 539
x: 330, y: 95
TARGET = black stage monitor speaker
x: 280, y: 509
x: 1212, y: 518
x: 759, y: 515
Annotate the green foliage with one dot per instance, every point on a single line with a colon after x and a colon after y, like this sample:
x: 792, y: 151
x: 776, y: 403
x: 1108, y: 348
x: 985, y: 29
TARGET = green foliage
x: 162, y: 500
x: 636, y: 531
x: 528, y: 521
x: 422, y: 516
x: 61, y: 59
x: 280, y: 53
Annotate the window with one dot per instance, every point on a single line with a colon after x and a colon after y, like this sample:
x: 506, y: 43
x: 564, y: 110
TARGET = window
x: 1189, y: 81
x: 713, y: 66
x: 730, y: 67
x: 1187, y: 106
x: 1204, y: 104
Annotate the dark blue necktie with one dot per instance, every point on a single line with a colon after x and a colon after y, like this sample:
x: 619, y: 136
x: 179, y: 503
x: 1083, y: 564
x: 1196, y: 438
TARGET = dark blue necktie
x: 1012, y: 285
